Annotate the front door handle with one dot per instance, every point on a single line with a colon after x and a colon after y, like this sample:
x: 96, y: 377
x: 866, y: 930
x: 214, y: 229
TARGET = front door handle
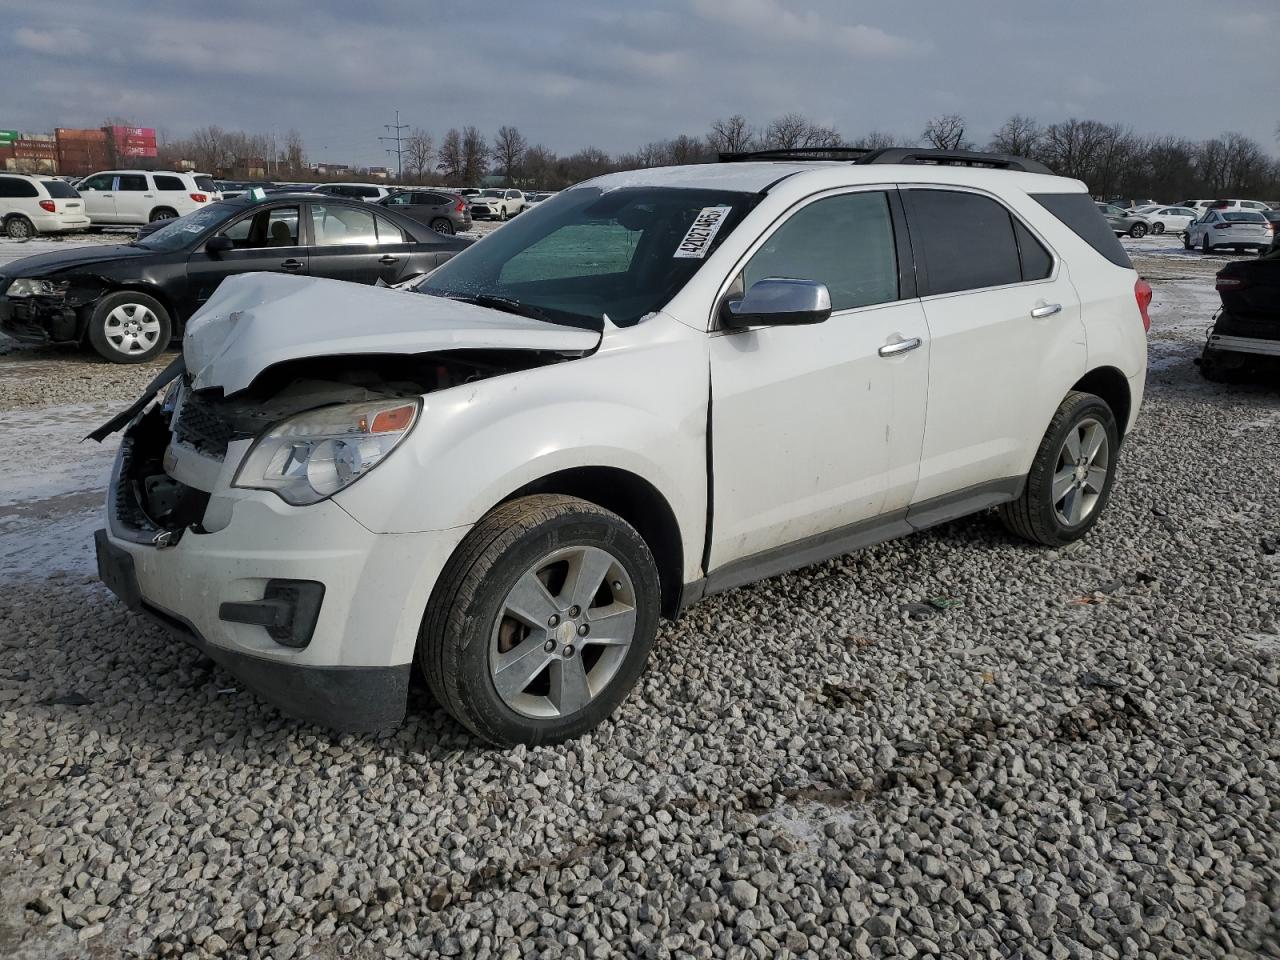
x: 899, y: 346
x: 1046, y: 310
x: 388, y: 258
x: 291, y: 264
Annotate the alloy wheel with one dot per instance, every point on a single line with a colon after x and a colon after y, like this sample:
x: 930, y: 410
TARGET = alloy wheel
x: 18, y: 229
x: 131, y: 328
x: 1081, y: 473
x: 563, y: 632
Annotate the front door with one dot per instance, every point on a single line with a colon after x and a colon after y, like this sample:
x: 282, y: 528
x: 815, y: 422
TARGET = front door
x: 816, y: 430
x: 268, y: 239
x: 99, y: 195
x: 1007, y: 341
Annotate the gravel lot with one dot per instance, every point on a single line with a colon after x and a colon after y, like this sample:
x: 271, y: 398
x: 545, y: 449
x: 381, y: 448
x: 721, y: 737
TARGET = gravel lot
x: 1078, y: 755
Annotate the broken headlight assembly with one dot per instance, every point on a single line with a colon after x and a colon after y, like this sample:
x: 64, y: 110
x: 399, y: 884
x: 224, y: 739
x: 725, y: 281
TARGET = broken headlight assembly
x: 313, y: 455
x: 27, y: 287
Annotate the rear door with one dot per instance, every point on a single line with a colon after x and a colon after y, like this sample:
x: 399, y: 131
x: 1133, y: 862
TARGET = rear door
x: 395, y: 251
x: 1007, y: 341
x: 267, y: 239
x: 98, y: 193
x: 345, y: 242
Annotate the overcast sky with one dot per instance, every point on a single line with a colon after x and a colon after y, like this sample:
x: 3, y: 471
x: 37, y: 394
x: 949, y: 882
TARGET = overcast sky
x: 616, y: 74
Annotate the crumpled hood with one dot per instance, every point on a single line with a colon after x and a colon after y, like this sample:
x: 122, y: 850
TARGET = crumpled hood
x: 256, y: 320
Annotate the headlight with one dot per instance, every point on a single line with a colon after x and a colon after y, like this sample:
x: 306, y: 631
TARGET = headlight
x: 314, y: 455
x: 24, y: 287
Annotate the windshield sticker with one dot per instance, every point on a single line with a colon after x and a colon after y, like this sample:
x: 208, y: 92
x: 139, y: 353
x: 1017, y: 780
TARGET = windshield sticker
x: 706, y: 225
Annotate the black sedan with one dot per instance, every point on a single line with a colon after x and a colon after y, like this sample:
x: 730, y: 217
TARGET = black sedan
x: 128, y: 301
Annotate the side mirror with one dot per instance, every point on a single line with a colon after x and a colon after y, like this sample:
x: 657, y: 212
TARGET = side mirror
x: 218, y: 245
x: 775, y: 301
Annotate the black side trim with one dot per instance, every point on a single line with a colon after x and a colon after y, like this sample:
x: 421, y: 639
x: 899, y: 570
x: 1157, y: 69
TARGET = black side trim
x: 952, y: 506
x: 856, y: 536
x: 162, y: 379
x: 346, y: 699
x: 954, y: 158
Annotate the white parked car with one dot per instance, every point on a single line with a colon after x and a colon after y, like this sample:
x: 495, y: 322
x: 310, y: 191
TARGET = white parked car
x: 143, y: 196
x: 368, y: 192
x: 32, y: 205
x: 1237, y: 229
x: 669, y: 383
x: 495, y: 204
x: 1168, y: 219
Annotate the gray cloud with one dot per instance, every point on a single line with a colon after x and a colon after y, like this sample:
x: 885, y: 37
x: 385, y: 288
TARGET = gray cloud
x: 616, y: 74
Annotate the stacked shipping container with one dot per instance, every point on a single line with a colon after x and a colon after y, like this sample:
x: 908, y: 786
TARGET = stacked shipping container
x: 78, y: 152
x: 81, y: 152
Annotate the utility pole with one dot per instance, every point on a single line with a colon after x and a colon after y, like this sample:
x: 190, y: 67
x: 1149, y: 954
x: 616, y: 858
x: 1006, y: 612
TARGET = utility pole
x: 397, y: 127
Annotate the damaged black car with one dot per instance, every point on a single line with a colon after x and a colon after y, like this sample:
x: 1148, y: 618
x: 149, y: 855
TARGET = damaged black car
x: 128, y: 301
x: 1245, y: 337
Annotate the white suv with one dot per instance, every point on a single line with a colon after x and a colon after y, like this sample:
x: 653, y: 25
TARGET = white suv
x: 31, y: 205
x: 141, y: 196
x: 496, y: 204
x: 664, y: 384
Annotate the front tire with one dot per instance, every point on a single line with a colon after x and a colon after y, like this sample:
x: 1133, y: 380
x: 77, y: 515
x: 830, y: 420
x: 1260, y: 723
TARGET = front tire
x: 129, y: 327
x: 19, y: 227
x: 1071, y: 475
x: 1205, y: 245
x: 1186, y: 240
x: 541, y: 622
x: 1138, y: 231
x: 502, y: 213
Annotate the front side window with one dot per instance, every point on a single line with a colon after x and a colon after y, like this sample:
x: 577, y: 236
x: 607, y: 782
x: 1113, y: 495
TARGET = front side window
x: 336, y: 225
x: 277, y: 227
x: 845, y: 242
x: 133, y: 182
x: 623, y: 253
x: 966, y: 239
x: 103, y: 181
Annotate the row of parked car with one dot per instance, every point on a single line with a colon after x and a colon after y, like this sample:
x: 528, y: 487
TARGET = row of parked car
x: 30, y: 205
x: 1203, y: 224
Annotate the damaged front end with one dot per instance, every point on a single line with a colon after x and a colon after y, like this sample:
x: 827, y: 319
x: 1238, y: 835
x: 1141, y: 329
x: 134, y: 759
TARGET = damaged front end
x: 174, y: 455
x: 47, y: 310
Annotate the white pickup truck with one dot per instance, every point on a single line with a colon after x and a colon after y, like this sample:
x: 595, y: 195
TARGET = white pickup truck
x: 654, y: 386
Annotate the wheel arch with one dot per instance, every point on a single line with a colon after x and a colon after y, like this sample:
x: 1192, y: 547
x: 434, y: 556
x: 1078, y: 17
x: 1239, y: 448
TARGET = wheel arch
x: 136, y: 286
x: 1112, y: 387
x: 162, y: 206
x: 636, y: 501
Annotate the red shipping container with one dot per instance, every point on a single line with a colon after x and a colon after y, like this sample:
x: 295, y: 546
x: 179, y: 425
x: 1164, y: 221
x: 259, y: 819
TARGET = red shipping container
x: 121, y: 133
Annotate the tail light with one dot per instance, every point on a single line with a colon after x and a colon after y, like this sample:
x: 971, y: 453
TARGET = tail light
x: 1222, y: 226
x: 200, y: 197
x: 460, y: 206
x: 1142, y: 293
x: 1228, y: 283
x: 48, y: 205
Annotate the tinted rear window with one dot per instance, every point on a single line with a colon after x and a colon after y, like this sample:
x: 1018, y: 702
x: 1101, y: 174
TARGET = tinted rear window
x: 60, y: 189
x: 967, y: 240
x: 1078, y: 212
x: 1245, y: 217
x: 206, y: 183
x: 168, y: 183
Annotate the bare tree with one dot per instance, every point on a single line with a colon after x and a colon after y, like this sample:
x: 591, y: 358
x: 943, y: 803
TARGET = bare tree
x: 730, y: 136
x: 509, y: 146
x: 475, y: 155
x: 686, y: 149
x: 1019, y: 136
x: 946, y: 133
x: 878, y: 140
x: 452, y: 164
x: 419, y: 149
x: 540, y: 166
x: 293, y: 158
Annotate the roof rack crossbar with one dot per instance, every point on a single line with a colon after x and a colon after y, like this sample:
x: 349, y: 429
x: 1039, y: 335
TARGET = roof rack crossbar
x: 795, y: 153
x: 954, y: 158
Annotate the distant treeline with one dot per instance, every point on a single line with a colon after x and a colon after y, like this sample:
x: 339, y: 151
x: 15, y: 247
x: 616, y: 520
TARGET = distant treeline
x: 1110, y: 158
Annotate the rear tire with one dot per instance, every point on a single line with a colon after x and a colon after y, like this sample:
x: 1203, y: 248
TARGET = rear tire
x: 1069, y: 483
x: 442, y: 226
x: 129, y: 327
x: 1186, y: 240
x: 1205, y: 246
x: 162, y: 213
x: 1157, y: 228
x: 19, y: 227
x: 549, y: 673
x: 1218, y: 367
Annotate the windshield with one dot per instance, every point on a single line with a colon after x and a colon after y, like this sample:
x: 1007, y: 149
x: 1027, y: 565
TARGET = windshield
x: 179, y: 233
x: 491, y: 193
x: 586, y: 253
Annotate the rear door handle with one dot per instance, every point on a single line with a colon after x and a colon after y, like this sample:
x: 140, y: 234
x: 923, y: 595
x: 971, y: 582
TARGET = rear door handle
x: 1047, y: 310
x: 899, y: 346
x: 388, y: 258
x: 291, y: 264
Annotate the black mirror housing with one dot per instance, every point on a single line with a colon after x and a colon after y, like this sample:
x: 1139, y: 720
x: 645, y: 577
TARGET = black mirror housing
x: 778, y: 301
x: 218, y: 245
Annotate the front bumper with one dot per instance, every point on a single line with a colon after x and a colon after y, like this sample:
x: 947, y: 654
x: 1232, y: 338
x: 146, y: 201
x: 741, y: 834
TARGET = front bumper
x: 353, y: 673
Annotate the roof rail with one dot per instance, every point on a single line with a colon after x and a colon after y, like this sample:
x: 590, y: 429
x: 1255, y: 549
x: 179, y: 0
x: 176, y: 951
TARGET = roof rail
x: 797, y: 153
x: 954, y: 158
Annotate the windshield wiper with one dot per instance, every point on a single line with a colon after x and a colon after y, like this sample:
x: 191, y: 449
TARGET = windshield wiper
x: 508, y: 305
